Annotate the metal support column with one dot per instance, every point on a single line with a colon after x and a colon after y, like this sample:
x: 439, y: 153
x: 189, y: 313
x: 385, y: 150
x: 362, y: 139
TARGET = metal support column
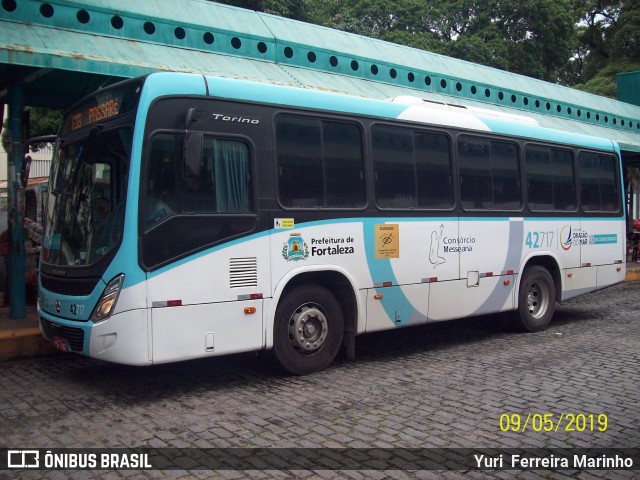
x: 17, y: 294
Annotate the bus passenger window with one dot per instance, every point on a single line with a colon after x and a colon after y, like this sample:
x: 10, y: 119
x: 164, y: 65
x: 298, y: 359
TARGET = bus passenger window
x: 489, y: 174
x: 412, y: 169
x: 506, y: 176
x: 598, y: 184
x: 433, y: 166
x: 394, y: 168
x: 550, y: 179
x: 564, y: 186
x: 475, y: 174
x: 343, y: 165
x: 320, y: 163
x: 539, y: 180
x: 299, y: 162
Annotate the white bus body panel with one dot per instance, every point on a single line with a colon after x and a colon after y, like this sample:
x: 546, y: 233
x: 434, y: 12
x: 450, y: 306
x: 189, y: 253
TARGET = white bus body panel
x: 489, y: 246
x: 601, y: 238
x: 458, y: 299
x: 122, y: 338
x: 192, y: 331
x: 321, y: 244
x: 579, y: 281
x: 383, y: 313
x: 187, y: 324
x: 609, y: 275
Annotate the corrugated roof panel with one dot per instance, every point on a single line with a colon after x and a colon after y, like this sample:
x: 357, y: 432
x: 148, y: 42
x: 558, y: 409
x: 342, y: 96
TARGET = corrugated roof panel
x: 366, y: 88
x: 76, y: 51
x: 310, y: 37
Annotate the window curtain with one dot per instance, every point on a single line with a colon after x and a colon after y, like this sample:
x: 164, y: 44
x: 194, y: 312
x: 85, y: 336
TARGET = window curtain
x: 231, y: 174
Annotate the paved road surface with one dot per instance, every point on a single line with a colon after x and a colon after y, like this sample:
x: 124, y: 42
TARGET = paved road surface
x: 439, y: 386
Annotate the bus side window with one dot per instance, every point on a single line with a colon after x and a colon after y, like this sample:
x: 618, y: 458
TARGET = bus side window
x: 199, y: 197
x: 161, y: 199
x: 539, y: 180
x: 475, y: 173
x: 506, y: 176
x: 598, y: 183
x: 299, y: 162
x: 394, y: 169
x: 196, y: 191
x: 343, y: 165
x: 550, y: 179
x: 564, y: 190
x: 433, y: 168
x: 489, y: 174
x: 320, y: 163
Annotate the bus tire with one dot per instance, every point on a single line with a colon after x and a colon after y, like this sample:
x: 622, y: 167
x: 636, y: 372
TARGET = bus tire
x: 536, y: 299
x: 308, y: 329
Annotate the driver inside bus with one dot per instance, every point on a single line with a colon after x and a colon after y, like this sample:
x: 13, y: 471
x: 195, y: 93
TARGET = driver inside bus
x: 197, y: 197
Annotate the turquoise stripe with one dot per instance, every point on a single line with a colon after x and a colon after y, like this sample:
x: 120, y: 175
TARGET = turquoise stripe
x: 157, y: 85
x: 300, y: 97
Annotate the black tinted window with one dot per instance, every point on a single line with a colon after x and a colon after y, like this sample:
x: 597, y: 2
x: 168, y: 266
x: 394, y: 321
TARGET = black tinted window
x: 412, y: 169
x: 489, y: 174
x: 188, y: 202
x: 598, y: 185
x: 320, y: 163
x: 550, y: 179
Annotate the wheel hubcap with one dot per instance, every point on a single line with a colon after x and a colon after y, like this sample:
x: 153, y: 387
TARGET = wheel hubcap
x: 308, y: 329
x: 537, y: 299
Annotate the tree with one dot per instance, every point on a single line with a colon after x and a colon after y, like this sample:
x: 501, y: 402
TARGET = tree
x: 607, y: 43
x: 583, y: 43
x: 42, y: 121
x: 295, y: 9
x: 531, y: 37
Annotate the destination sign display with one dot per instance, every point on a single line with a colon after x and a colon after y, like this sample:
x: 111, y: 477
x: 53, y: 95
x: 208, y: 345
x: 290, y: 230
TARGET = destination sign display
x: 104, y: 105
x: 102, y: 111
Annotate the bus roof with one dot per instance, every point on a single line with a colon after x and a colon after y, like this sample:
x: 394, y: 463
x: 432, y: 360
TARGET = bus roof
x: 160, y: 84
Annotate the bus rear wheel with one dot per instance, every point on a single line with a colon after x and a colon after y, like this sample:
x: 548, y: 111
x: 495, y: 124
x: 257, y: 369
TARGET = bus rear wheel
x: 308, y: 329
x: 536, y: 299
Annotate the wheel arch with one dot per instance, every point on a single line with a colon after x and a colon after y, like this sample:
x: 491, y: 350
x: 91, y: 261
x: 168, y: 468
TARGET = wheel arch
x: 333, y: 278
x: 547, y: 261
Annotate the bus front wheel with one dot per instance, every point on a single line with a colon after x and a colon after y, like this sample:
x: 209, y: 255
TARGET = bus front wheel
x: 308, y: 329
x: 536, y: 299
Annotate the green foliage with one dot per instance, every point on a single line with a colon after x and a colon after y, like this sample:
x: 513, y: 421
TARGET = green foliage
x: 42, y: 121
x: 604, y: 81
x: 607, y: 43
x: 295, y: 9
x: 531, y: 37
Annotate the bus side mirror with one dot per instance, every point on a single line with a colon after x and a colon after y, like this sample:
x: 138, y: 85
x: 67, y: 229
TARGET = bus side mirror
x: 193, y: 151
x: 192, y: 115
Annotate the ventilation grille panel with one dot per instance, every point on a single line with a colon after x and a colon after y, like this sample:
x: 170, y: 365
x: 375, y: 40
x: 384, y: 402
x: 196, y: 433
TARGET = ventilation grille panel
x: 243, y: 272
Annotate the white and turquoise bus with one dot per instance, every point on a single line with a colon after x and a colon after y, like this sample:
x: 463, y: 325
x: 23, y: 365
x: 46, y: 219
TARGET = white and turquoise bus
x: 193, y: 216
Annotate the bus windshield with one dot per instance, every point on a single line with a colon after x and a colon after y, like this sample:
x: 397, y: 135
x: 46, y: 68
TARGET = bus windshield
x: 85, y: 212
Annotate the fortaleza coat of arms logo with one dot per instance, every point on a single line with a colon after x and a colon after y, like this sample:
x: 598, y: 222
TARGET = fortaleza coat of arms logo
x: 295, y: 248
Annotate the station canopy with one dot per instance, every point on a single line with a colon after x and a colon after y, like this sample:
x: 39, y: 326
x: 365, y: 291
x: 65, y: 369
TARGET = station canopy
x: 61, y: 51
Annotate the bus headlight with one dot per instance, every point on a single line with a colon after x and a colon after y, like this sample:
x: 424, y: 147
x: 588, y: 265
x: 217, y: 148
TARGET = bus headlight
x: 108, y: 300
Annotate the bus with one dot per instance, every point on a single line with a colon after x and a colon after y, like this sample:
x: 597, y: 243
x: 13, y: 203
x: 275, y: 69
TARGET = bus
x: 193, y: 216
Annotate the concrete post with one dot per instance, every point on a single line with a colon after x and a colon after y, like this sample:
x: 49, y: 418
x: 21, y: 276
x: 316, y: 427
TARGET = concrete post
x: 17, y: 294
